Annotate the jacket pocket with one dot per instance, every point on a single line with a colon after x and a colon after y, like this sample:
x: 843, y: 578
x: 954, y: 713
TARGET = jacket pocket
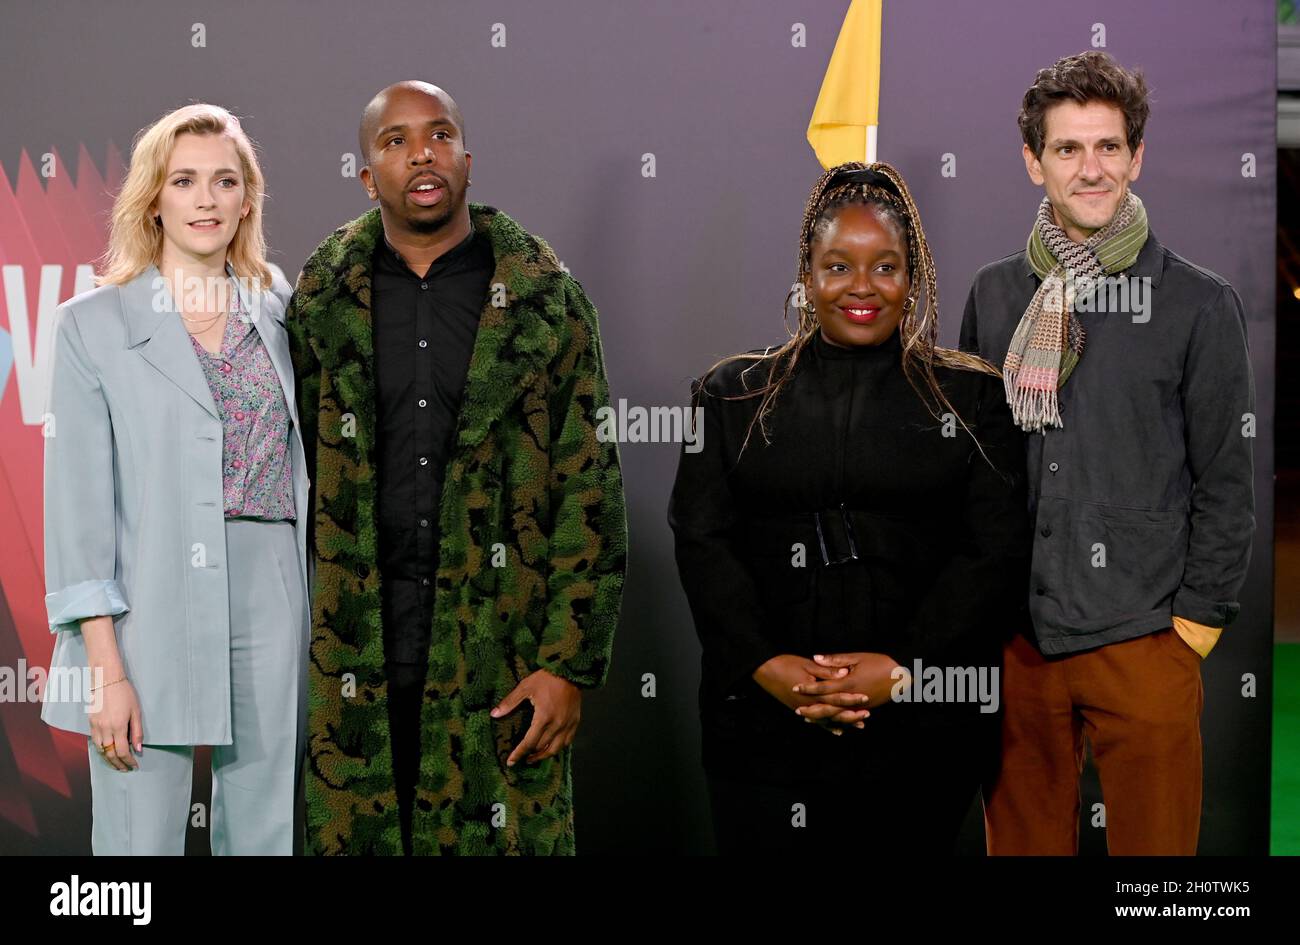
x: 1120, y: 564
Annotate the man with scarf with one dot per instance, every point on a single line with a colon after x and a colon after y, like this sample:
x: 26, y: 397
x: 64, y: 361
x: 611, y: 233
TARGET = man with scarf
x: 468, y: 526
x: 1128, y: 368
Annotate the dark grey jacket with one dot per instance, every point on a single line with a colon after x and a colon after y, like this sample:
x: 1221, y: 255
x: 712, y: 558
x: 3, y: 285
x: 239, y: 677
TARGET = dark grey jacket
x: 1143, y: 502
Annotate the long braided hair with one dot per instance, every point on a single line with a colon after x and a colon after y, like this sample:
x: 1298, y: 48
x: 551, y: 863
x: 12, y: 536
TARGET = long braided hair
x: 919, y: 326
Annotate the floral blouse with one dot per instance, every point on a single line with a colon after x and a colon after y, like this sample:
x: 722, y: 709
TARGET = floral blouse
x: 257, y: 474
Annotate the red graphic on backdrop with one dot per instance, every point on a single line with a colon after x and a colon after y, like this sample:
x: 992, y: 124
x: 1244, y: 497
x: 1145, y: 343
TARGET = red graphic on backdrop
x: 52, y: 222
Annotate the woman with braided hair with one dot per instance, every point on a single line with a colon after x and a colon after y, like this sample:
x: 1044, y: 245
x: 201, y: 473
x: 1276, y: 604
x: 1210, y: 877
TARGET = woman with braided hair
x: 852, y: 539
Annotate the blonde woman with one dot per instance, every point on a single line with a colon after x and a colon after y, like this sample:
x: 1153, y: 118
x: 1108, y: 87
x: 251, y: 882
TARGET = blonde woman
x: 175, y: 503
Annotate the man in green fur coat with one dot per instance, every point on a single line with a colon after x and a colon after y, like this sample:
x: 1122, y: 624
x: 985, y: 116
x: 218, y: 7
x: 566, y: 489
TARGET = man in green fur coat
x: 531, y: 527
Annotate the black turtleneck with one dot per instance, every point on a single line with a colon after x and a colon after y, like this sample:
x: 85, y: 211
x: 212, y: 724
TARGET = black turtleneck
x: 828, y: 349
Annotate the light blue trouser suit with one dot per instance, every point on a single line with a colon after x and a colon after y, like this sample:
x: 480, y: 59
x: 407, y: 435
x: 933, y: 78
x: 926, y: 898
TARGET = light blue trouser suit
x: 256, y: 780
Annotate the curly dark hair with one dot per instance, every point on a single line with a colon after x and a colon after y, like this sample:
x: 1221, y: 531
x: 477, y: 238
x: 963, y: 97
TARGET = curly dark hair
x: 1091, y: 76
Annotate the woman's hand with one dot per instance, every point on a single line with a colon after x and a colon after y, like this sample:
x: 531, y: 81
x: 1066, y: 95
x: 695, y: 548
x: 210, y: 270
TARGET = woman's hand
x: 869, y: 675
x: 783, y: 676
x: 115, y: 720
x: 114, y: 709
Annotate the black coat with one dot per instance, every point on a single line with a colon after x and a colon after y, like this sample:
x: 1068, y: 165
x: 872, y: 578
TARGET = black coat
x: 941, y: 538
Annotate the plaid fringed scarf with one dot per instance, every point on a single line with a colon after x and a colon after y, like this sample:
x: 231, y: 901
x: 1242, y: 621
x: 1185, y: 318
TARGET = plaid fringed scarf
x: 1048, y: 342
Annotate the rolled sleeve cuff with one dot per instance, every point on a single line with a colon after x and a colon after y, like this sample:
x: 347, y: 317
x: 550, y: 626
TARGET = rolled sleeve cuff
x: 1192, y: 606
x: 80, y: 601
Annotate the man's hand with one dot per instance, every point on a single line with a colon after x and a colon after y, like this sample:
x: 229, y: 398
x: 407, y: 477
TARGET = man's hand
x: 782, y: 676
x: 557, y: 707
x: 863, y: 674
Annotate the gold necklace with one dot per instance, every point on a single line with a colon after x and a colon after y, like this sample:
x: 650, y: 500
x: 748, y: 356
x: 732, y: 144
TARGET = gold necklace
x: 201, y: 317
x: 211, y: 321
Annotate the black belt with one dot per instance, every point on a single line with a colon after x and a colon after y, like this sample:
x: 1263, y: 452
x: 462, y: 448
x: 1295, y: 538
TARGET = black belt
x: 845, y: 541
x: 839, y: 536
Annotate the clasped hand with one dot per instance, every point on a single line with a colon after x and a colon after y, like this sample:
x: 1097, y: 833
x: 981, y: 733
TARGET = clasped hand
x: 832, y: 690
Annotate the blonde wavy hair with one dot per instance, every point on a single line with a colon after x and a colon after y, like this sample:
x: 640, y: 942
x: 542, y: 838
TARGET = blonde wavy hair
x: 135, y: 241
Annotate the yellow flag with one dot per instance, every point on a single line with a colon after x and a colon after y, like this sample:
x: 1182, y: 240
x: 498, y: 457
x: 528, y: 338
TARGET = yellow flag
x: 843, y: 126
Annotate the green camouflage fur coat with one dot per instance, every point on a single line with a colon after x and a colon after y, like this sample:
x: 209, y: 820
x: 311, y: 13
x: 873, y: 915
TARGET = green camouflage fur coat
x: 533, y: 549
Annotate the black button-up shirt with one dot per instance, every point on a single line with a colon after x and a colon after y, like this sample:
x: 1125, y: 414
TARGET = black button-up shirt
x: 424, y: 330
x: 1143, y: 501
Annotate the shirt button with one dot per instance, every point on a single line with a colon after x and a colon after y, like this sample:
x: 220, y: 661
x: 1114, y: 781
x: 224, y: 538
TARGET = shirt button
x: 424, y: 581
x: 424, y: 285
x: 239, y: 415
x: 423, y: 402
x: 423, y: 343
x: 424, y: 461
x: 238, y: 464
x: 1053, y: 467
x: 1046, y: 531
x: 424, y: 523
x: 226, y: 368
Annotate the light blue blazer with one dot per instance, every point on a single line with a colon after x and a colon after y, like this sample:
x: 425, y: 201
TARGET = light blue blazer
x: 134, y: 509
